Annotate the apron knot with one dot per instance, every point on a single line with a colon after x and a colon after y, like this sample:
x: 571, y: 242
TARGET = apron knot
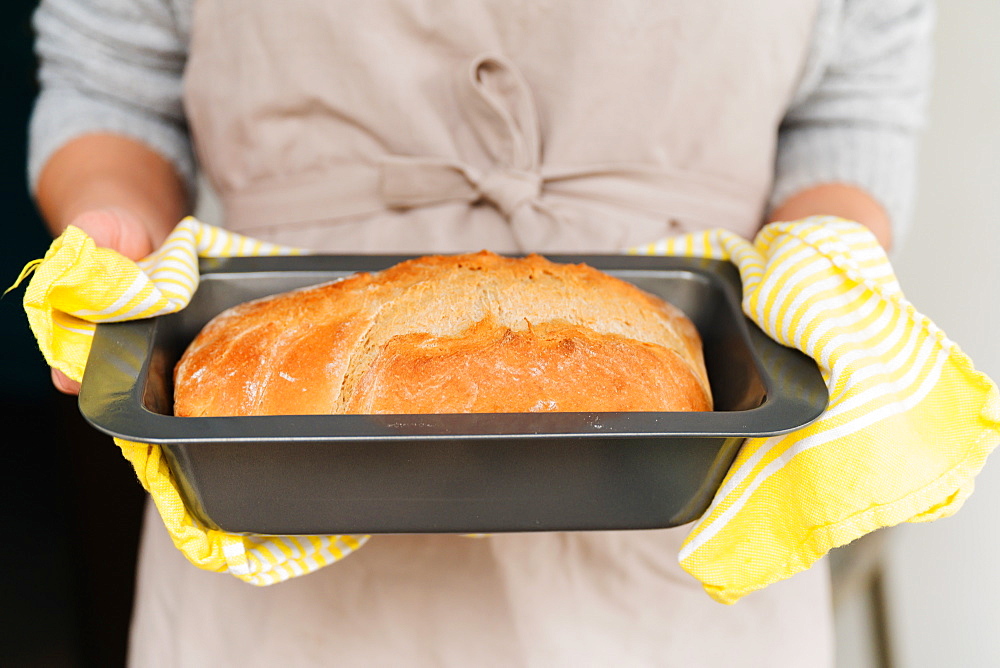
x: 500, y: 110
x: 503, y: 167
x: 507, y: 189
x: 406, y: 182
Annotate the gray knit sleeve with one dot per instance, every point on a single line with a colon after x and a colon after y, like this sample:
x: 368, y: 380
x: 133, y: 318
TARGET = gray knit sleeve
x: 110, y: 66
x: 857, y: 121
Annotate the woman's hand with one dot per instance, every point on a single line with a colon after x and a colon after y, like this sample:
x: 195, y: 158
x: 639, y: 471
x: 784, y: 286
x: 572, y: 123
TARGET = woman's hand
x: 838, y: 199
x: 120, y: 192
x: 117, y: 229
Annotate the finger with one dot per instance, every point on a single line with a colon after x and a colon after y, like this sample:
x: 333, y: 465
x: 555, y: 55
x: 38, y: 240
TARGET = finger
x: 118, y: 230
x: 64, y: 384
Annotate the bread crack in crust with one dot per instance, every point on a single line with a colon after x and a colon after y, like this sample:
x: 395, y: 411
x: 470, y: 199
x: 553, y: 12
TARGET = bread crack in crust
x: 474, y: 333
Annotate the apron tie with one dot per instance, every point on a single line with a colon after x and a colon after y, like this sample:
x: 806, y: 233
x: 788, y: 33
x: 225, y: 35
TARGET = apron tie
x: 500, y: 109
x: 508, y: 189
x: 411, y: 182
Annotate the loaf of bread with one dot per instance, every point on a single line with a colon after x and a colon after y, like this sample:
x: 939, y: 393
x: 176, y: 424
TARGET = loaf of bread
x: 475, y: 333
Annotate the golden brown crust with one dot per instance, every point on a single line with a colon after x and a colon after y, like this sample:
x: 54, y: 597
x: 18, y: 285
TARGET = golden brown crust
x: 444, y: 334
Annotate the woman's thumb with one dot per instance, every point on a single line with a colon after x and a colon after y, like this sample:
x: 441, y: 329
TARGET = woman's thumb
x: 117, y: 229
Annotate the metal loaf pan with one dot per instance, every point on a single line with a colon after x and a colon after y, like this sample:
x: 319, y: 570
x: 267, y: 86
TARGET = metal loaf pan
x: 480, y: 473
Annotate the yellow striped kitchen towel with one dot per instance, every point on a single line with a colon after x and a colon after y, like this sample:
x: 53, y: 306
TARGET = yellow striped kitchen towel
x: 909, y: 425
x: 77, y: 285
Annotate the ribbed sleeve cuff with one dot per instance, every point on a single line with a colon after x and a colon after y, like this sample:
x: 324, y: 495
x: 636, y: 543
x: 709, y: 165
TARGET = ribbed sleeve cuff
x: 60, y: 116
x: 879, y: 161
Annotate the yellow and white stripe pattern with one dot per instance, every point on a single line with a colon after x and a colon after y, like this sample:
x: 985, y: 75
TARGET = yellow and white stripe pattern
x: 910, y: 421
x: 909, y: 424
x: 75, y: 287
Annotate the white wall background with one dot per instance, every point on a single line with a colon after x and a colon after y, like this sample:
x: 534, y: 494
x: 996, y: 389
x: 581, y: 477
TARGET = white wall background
x: 944, y: 577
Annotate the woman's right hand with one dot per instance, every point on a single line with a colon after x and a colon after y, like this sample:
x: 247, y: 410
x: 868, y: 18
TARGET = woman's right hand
x: 117, y: 229
x: 122, y: 193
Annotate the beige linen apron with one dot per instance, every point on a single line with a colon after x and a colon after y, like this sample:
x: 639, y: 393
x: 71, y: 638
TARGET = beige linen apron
x: 449, y: 125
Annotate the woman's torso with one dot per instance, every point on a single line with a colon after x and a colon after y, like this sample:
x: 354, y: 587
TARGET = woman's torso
x: 431, y: 126
x: 435, y: 126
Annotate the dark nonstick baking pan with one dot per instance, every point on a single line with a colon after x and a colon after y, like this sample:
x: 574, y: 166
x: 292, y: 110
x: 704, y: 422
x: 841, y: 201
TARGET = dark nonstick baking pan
x: 472, y: 473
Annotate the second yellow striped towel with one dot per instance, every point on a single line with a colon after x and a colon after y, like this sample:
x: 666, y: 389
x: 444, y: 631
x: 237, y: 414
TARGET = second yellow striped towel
x: 909, y: 425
